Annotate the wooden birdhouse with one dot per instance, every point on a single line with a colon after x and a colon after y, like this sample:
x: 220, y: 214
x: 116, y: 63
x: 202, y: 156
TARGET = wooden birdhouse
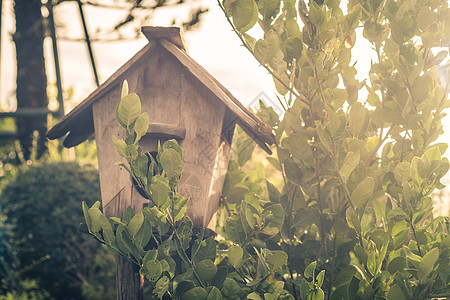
x: 184, y: 102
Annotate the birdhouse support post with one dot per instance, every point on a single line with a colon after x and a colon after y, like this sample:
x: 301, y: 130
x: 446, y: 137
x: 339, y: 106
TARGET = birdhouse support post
x: 129, y: 282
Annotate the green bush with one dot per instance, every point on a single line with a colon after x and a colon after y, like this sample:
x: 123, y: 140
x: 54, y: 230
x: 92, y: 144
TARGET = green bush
x: 42, y: 206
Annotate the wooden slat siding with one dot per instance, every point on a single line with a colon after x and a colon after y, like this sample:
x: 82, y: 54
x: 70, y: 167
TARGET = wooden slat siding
x: 249, y: 122
x: 70, y: 121
x: 172, y: 34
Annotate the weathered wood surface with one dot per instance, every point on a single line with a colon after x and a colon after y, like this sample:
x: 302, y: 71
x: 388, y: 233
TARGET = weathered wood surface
x: 130, y: 283
x: 172, y: 34
x: 170, y: 39
x: 183, y: 107
x: 82, y: 111
x: 254, y: 127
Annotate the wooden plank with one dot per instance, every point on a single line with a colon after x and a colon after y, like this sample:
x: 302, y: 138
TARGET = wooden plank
x: 173, y: 34
x: 129, y: 282
x: 249, y: 122
x: 82, y: 132
x: 70, y: 121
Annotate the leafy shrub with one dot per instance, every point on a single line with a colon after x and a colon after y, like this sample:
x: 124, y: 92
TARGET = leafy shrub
x: 43, y: 215
x: 352, y: 217
x: 359, y: 159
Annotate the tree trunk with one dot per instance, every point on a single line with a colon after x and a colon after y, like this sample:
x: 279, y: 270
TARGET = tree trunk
x: 129, y: 282
x: 31, y: 78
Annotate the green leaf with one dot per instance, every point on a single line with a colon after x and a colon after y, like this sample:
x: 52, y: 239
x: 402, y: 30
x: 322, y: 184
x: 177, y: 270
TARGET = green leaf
x: 402, y: 171
x: 230, y: 289
x: 179, y: 208
x: 350, y: 162
x: 293, y: 172
x: 372, y: 262
x: 144, y: 234
x: 140, y: 167
x: 214, y: 294
x: 220, y: 277
x: 305, y: 289
x: 274, y: 194
x: 235, y: 254
x: 87, y: 218
x: 183, y: 287
x: 129, y: 110
x: 266, y: 49
x: 152, y: 270
x: 129, y: 243
x: 396, y: 293
x: 400, y: 237
x: 334, y: 121
x: 233, y: 230
x: 135, y: 224
x: 150, y: 255
x: 119, y: 239
x: 294, y: 47
x: 141, y: 126
x: 353, y: 220
x: 159, y: 190
x: 245, y: 14
x: 273, y: 216
x: 131, y: 152
x: 292, y: 28
x: 197, y: 293
x: 397, y: 264
x: 316, y: 15
x: 309, y: 271
x: 254, y: 296
x: 206, y: 270
x: 120, y: 146
x: 206, y: 250
x: 325, y: 138
x: 161, y: 287
x: 251, y: 41
x: 318, y: 295
x: 128, y: 214
x: 358, y: 119
x: 320, y: 278
x: 421, y: 88
x: 432, y: 154
x: 397, y: 214
x: 427, y: 263
x: 173, y: 144
x: 276, y: 259
x: 245, y: 147
x: 268, y: 296
x: 171, y: 163
x: 269, y: 8
x: 124, y: 89
x: 362, y: 192
x: 306, y: 217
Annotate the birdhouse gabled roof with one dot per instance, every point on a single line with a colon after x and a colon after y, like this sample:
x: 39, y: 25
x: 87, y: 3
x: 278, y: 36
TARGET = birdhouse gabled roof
x: 79, y: 122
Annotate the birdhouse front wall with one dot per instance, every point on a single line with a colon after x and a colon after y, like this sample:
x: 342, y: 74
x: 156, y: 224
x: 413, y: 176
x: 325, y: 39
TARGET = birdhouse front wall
x: 171, y: 96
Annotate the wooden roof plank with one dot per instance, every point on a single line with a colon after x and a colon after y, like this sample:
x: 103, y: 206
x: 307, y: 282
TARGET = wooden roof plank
x: 258, y: 127
x: 173, y: 34
x: 171, y: 40
x: 63, y: 126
